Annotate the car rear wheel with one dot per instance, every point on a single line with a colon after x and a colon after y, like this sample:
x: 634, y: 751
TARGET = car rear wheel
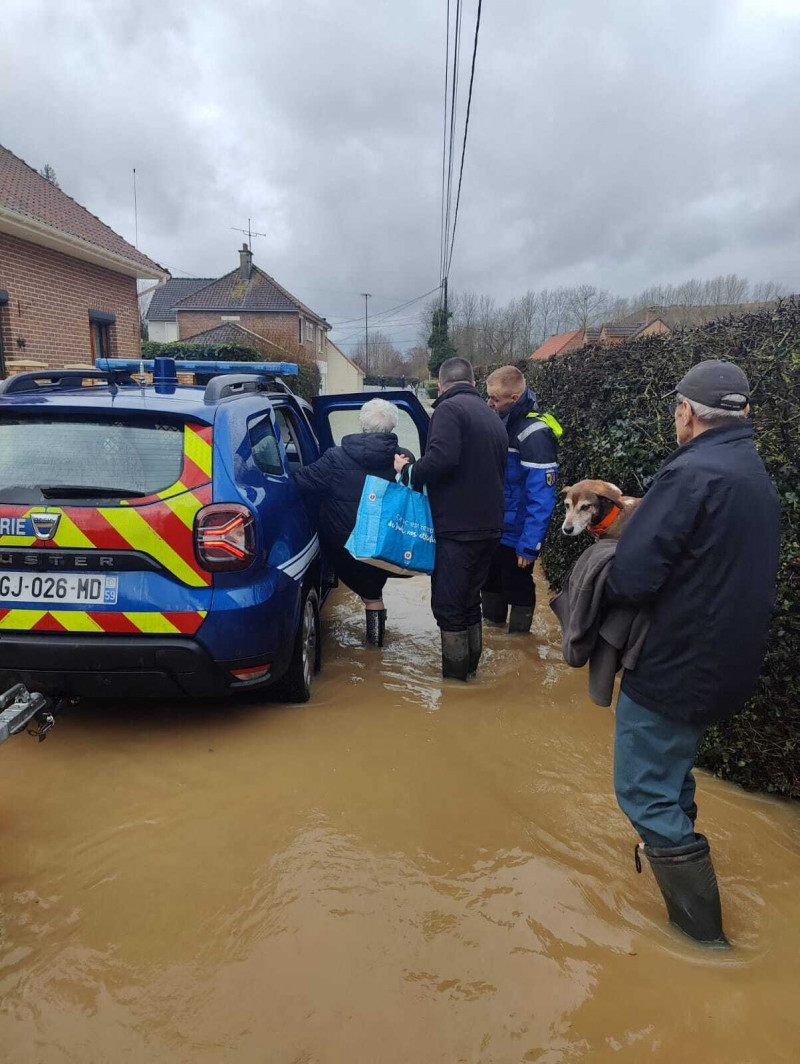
x: 295, y: 684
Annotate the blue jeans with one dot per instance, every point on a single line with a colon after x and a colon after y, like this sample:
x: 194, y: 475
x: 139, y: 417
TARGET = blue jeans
x: 653, y: 761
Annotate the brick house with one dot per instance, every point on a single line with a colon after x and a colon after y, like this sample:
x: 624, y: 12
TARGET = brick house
x: 162, y: 324
x: 247, y: 297
x: 67, y: 282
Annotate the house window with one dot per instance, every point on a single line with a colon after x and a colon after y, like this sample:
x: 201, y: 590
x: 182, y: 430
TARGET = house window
x: 100, y: 333
x: 101, y: 340
x: 299, y: 329
x: 320, y: 339
x: 310, y: 332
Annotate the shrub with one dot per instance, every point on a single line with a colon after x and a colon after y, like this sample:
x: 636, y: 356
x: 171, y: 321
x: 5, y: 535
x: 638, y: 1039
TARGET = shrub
x: 432, y: 390
x: 617, y: 426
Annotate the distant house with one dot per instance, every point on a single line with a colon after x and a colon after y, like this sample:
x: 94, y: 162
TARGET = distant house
x: 609, y: 332
x: 67, y: 281
x: 559, y: 344
x: 231, y: 333
x: 338, y: 373
x: 248, y: 297
x: 162, y: 323
x: 617, y: 332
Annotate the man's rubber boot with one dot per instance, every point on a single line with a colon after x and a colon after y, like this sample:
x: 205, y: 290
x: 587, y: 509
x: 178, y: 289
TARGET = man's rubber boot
x: 475, y: 643
x: 376, y: 626
x: 494, y: 607
x: 455, y: 655
x: 686, y: 878
x: 520, y: 619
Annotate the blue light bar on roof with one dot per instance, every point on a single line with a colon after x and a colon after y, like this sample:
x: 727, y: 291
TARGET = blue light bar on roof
x: 133, y: 365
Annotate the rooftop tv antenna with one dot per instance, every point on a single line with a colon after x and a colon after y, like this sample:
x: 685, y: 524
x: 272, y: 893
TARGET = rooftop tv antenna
x: 250, y: 233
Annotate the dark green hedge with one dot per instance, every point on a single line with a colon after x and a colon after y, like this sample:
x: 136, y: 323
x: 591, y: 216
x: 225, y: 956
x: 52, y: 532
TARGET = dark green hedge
x: 617, y: 426
x: 305, y: 384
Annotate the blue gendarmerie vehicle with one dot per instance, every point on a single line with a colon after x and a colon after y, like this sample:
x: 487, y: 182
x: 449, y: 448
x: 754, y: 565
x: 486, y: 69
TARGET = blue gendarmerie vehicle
x: 152, y: 541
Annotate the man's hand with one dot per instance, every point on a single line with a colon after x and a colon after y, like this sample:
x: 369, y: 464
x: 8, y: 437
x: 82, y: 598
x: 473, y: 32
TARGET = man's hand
x: 523, y: 562
x: 400, y: 462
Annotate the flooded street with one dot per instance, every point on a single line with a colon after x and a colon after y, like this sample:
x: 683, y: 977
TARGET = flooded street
x: 400, y: 871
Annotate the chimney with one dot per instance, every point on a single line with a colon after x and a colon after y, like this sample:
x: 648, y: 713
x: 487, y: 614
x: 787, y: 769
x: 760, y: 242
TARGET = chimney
x: 245, y: 263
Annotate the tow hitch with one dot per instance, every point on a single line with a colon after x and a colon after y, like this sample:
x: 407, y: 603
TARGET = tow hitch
x: 20, y: 708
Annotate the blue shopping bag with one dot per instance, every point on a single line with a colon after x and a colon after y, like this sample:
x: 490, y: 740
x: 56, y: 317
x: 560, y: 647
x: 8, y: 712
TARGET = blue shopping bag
x: 394, y: 528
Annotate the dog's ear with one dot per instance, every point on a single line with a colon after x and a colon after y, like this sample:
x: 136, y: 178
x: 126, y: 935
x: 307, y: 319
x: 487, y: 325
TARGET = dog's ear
x: 566, y: 491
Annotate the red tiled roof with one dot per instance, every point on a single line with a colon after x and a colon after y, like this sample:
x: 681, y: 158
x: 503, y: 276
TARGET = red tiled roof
x: 554, y: 344
x: 30, y: 196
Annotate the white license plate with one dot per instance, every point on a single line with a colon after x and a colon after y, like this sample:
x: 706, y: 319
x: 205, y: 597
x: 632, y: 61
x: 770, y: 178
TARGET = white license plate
x: 71, y: 589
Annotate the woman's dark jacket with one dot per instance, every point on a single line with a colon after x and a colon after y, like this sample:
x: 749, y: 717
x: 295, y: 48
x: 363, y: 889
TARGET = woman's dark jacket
x: 701, y: 551
x: 337, y: 479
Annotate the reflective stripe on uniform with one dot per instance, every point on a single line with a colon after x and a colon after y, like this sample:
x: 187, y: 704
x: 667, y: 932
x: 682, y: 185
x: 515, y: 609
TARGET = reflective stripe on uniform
x: 535, y: 427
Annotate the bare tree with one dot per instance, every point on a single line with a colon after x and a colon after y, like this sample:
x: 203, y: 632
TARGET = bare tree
x: 768, y: 291
x: 49, y: 174
x: 384, y: 358
x: 587, y: 305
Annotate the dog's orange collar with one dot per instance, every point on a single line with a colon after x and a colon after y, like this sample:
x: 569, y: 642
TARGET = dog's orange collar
x: 603, y: 526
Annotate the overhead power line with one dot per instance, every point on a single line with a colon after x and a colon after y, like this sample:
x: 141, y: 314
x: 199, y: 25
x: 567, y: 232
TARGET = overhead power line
x: 466, y: 130
x: 449, y: 210
x: 390, y: 310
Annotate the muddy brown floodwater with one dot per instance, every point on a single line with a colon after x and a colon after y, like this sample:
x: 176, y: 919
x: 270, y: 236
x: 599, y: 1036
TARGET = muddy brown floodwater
x: 402, y: 871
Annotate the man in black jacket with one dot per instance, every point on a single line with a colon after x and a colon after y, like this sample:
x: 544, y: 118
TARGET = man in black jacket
x: 463, y: 469
x: 701, y: 552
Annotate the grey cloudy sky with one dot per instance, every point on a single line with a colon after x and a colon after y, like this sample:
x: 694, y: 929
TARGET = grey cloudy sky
x: 615, y: 142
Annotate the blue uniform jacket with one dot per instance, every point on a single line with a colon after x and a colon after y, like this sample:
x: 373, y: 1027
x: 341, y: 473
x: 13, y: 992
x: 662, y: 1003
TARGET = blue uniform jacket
x: 531, y: 476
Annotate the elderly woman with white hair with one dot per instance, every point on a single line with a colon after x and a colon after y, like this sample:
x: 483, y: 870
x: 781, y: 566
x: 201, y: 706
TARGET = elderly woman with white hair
x: 337, y: 481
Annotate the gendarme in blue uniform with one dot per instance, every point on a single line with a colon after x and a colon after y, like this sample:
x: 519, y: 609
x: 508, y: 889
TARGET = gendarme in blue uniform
x: 531, y: 476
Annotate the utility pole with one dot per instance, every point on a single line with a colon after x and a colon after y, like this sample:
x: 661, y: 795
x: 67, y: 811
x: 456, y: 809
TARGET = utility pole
x: 445, y: 301
x: 367, y: 296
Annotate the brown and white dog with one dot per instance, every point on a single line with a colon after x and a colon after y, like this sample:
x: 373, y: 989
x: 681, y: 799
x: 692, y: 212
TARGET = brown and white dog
x: 596, y: 506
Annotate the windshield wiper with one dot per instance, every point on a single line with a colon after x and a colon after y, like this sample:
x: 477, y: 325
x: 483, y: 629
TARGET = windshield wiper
x: 87, y: 491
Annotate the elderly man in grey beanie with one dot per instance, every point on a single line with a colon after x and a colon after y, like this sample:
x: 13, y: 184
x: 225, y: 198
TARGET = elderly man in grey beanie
x: 701, y: 554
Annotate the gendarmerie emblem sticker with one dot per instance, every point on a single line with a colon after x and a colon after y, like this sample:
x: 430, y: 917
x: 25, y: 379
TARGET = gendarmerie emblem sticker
x: 551, y: 477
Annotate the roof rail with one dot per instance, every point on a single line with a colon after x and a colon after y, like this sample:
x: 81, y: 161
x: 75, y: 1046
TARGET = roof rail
x: 63, y: 379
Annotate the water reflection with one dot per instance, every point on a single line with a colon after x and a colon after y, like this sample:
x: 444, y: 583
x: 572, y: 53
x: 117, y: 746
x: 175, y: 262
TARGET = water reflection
x: 405, y: 869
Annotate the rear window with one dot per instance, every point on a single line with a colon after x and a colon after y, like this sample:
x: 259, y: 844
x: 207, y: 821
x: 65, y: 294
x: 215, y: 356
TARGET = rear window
x: 123, y: 457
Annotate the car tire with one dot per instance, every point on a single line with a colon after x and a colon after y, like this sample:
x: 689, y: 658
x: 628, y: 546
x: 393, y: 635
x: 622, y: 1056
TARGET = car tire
x: 295, y: 684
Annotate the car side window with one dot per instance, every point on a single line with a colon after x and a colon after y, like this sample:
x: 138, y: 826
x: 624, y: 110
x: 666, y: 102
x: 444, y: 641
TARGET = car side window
x: 289, y: 438
x: 264, y: 446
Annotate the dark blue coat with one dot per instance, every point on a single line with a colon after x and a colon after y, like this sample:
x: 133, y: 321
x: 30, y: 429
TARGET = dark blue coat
x: 531, y: 477
x: 701, y: 551
x: 337, y: 479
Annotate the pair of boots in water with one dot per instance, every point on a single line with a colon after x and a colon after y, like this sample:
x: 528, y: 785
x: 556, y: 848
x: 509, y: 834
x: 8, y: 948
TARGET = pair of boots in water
x: 688, y: 883
x: 495, y: 609
x: 461, y: 651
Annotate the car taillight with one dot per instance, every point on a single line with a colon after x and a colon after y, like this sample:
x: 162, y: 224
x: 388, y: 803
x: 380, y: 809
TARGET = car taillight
x: 224, y: 537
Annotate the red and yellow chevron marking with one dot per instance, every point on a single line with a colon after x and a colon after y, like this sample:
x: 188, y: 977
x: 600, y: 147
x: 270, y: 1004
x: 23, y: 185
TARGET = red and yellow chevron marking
x: 130, y: 623
x: 159, y: 525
